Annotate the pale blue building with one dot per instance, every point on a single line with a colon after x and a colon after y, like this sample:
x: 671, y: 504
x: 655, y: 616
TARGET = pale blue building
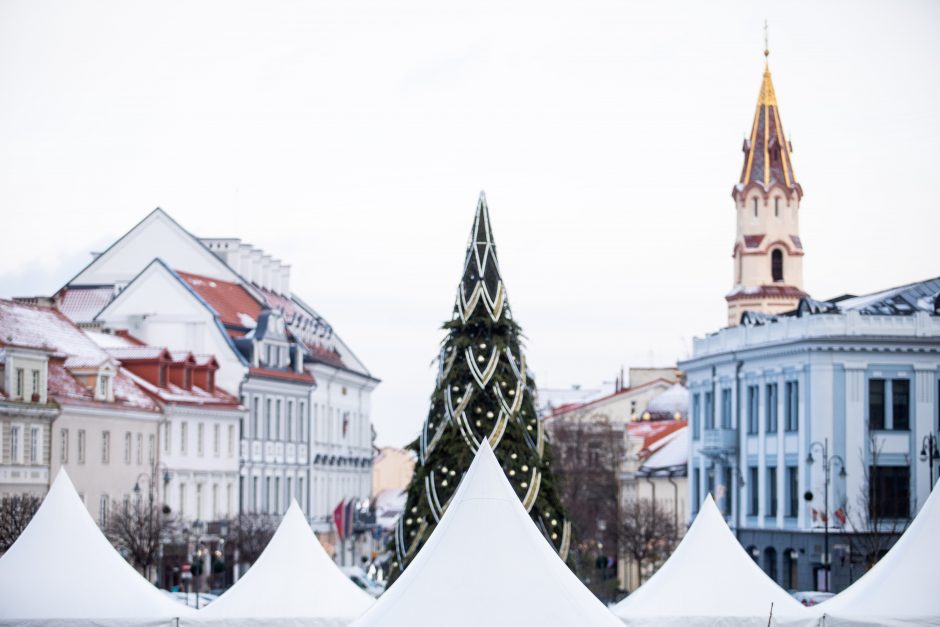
x: 859, y: 376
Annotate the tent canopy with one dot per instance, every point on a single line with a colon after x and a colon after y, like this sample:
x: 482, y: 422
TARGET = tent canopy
x: 708, y: 576
x: 62, y: 567
x: 902, y: 587
x: 293, y: 578
x: 487, y: 564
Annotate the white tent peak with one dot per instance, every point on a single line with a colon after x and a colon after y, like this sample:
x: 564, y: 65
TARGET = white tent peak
x: 486, y: 563
x: 902, y: 585
x: 62, y: 566
x: 293, y: 578
x: 708, y: 575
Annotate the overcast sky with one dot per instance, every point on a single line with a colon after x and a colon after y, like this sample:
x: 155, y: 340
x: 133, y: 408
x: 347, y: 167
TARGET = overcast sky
x: 351, y: 140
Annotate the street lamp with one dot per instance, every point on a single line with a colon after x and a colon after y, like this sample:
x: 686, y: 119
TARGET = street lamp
x: 827, y: 462
x: 929, y: 453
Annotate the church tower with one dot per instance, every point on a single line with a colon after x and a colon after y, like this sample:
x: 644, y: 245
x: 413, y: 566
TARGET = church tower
x: 768, y: 253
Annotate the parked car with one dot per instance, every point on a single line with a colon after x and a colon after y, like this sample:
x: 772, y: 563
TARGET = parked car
x: 811, y: 597
x: 359, y: 577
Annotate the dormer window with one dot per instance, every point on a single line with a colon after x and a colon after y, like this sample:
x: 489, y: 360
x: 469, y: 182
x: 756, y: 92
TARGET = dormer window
x: 161, y: 377
x: 187, y: 379
x: 104, y: 387
x: 210, y: 381
x: 20, y: 383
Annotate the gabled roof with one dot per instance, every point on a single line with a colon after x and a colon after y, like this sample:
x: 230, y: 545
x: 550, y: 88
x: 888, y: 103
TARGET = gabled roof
x: 572, y: 407
x: 708, y: 579
x: 293, y: 578
x: 507, y: 574
x: 44, y: 328
x: 82, y: 303
x: 62, y: 567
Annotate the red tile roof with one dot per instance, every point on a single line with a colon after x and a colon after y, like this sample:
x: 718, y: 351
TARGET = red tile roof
x: 767, y: 291
x: 753, y: 241
x: 567, y: 407
x: 652, y: 431
x: 305, y: 377
x: 234, y: 305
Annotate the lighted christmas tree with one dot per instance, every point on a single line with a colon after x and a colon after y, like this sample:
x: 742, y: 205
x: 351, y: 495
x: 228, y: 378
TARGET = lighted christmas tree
x: 483, y: 391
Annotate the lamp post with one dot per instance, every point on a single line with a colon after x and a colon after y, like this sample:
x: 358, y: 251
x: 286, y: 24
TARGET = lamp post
x: 150, y: 503
x: 827, y: 462
x: 198, y: 527
x: 929, y: 453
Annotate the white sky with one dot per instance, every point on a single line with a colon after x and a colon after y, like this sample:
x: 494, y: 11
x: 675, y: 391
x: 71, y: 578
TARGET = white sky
x: 351, y: 140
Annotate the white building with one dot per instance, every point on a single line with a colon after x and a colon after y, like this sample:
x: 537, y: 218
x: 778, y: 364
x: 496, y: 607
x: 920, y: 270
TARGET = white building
x: 170, y: 288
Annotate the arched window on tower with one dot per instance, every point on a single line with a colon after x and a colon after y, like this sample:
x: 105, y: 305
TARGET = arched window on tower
x: 776, y: 265
x: 755, y: 206
x: 777, y: 207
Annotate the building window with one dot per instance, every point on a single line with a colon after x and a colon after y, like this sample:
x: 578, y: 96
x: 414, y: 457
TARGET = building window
x: 876, y: 404
x: 777, y: 207
x: 770, y: 562
x: 127, y: 448
x: 770, y: 395
x: 34, y: 456
x: 753, y: 398
x: 709, y: 411
x: 228, y: 499
x: 216, y: 439
x: 889, y: 492
x: 792, y: 406
x: 287, y: 492
x: 255, y: 494
x: 64, y: 446
x: 277, y: 495
x: 35, y: 390
x: 790, y: 570
x: 696, y: 416
x: 104, y: 386
x: 793, y: 492
x: 771, y: 509
x: 231, y: 440
x: 290, y: 421
x: 20, y: 383
x: 215, y: 501
x: 81, y: 446
x: 15, y: 444
x: 302, y: 418
x: 900, y: 404
x: 199, y: 501
x: 200, y: 439
x: 151, y: 448
x: 255, y: 418
x: 184, y: 436
x: 301, y: 500
x: 726, y: 408
x: 726, y: 480
x: 105, y: 447
x: 182, y: 499
x: 776, y: 265
x: 755, y: 207
x: 268, y: 433
x: 753, y: 487
x: 166, y: 436
x: 277, y: 420
x: 103, y: 511
x: 267, y: 495
x: 140, y: 449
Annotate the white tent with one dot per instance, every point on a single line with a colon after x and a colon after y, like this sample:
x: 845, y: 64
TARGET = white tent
x: 901, y: 589
x: 487, y: 564
x: 294, y: 582
x: 63, y: 571
x: 709, y: 580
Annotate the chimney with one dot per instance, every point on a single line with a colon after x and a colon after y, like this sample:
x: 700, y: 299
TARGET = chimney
x: 275, y: 276
x: 255, y: 275
x: 266, y: 271
x: 285, y: 280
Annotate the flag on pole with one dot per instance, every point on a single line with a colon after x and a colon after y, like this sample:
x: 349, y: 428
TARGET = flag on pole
x: 339, y: 519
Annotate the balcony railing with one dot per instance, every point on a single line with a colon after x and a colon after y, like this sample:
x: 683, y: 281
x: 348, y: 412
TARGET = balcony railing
x: 719, y: 440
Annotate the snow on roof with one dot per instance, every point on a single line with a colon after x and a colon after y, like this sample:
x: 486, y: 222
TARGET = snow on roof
x: 709, y: 579
x: 487, y: 563
x: 130, y: 353
x: 901, y: 300
x: 172, y: 393
x: 293, y: 578
x: 674, y: 399
x: 671, y: 452
x: 234, y: 305
x: 45, y: 328
x: 82, y: 304
x: 62, y: 567
x: 110, y: 341
x: 901, y: 587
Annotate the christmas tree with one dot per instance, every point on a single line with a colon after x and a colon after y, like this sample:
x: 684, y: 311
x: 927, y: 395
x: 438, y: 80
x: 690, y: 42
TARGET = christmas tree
x: 483, y: 392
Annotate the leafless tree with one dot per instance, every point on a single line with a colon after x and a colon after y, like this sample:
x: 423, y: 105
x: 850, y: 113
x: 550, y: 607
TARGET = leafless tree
x: 874, y: 532
x: 249, y: 534
x: 588, y: 450
x: 15, y: 513
x: 138, y: 529
x: 647, y: 534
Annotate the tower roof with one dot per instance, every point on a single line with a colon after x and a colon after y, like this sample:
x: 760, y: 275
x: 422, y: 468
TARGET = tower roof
x: 767, y: 153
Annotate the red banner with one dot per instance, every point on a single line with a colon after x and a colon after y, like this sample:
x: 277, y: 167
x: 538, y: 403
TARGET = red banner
x: 339, y: 519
